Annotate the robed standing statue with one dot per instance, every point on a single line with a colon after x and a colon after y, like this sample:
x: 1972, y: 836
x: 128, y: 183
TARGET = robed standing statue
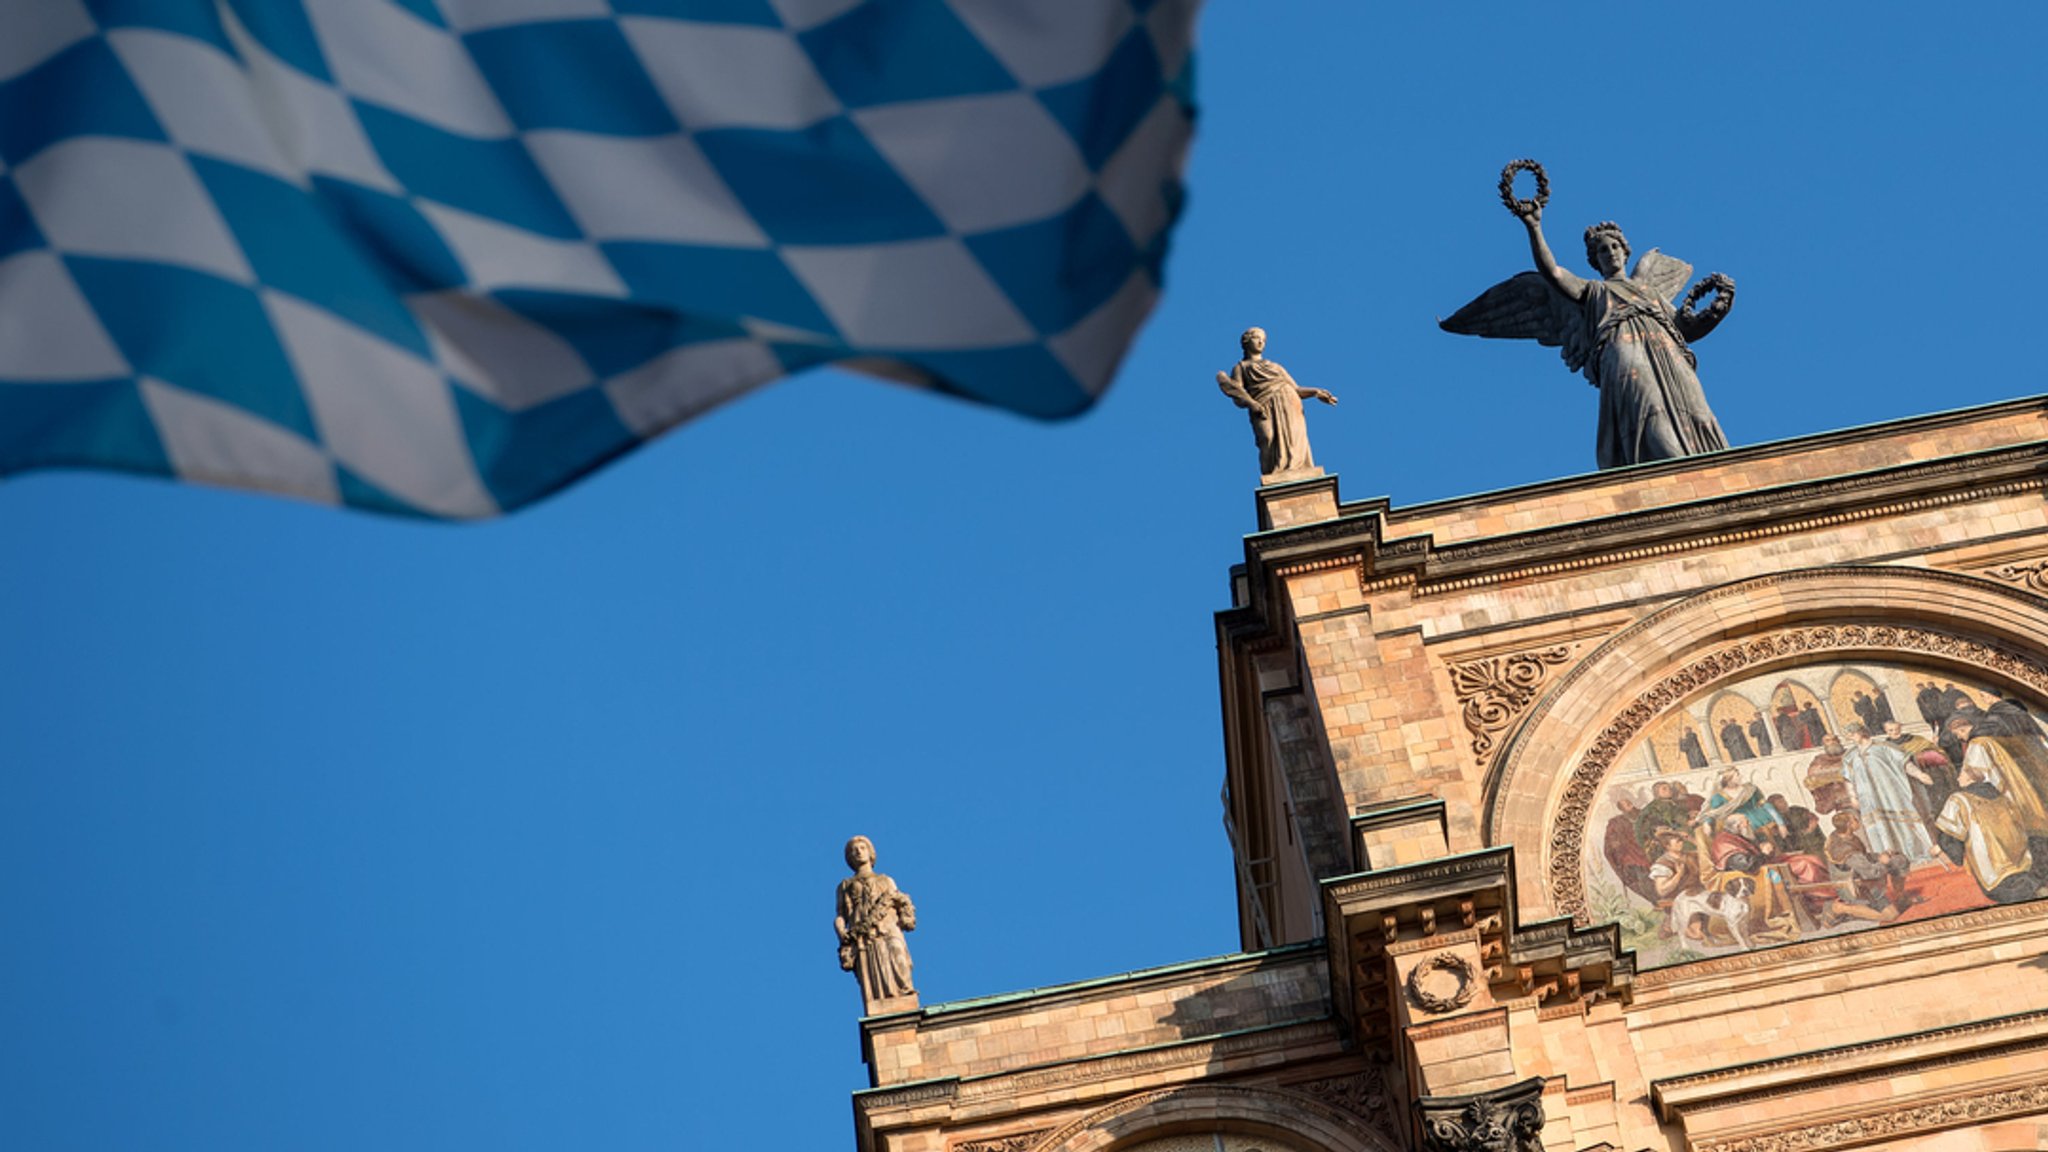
x: 1273, y: 401
x: 872, y: 914
x: 1620, y: 330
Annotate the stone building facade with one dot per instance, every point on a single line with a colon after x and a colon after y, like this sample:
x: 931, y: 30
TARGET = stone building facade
x: 1683, y: 806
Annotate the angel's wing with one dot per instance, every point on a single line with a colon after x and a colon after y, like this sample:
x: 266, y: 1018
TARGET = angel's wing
x: 1527, y: 307
x: 1661, y: 274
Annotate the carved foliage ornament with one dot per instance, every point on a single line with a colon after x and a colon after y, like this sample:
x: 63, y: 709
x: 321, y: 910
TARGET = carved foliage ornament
x: 1443, y: 983
x: 1890, y: 1125
x: 2033, y: 577
x: 1568, y: 834
x: 1363, y: 1095
x: 1510, y: 1120
x: 1495, y: 690
x: 1016, y: 1142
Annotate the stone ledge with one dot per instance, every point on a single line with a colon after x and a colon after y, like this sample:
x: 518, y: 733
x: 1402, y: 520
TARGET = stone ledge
x: 1138, y: 979
x: 1642, y: 475
x: 1886, y: 1058
x: 1089, y: 1078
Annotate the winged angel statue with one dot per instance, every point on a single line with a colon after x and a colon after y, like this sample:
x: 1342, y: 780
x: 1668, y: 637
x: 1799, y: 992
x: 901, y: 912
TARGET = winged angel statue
x: 1620, y: 330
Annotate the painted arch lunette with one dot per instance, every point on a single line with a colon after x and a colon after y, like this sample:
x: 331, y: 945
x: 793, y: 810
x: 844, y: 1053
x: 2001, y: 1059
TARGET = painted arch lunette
x: 1553, y: 762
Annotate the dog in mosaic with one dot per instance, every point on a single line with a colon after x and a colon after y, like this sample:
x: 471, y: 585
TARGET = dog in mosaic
x: 1728, y: 907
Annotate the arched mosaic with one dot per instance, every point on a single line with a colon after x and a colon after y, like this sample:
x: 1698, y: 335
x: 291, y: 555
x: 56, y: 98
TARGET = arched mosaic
x: 1841, y: 793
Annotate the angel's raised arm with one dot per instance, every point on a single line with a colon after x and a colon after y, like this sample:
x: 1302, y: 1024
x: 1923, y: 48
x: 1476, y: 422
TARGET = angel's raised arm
x: 1573, y: 287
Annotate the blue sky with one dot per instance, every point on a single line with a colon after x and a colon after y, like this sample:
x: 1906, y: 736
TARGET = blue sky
x: 325, y: 831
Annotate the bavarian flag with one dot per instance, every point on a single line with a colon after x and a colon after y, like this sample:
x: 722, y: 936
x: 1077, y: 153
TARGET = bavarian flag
x: 441, y: 257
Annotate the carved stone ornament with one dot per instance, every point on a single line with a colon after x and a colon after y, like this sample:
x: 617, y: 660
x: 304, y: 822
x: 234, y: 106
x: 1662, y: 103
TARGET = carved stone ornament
x: 1568, y: 833
x: 1509, y: 1120
x: 1443, y: 983
x: 1015, y: 1142
x: 1495, y: 690
x: 1890, y: 1125
x: 1363, y: 1095
x: 2033, y: 577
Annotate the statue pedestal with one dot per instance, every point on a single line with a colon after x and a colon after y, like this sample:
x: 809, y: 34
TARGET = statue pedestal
x: 1288, y: 476
x: 1299, y: 496
x: 889, y: 1005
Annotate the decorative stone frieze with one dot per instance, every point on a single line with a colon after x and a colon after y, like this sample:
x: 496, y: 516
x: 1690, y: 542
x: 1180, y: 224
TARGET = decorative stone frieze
x: 1921, y: 1118
x: 1015, y: 1142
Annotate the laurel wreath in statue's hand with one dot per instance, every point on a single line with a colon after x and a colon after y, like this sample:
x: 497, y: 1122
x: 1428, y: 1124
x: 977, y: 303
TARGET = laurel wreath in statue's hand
x: 1524, y: 208
x: 1721, y: 286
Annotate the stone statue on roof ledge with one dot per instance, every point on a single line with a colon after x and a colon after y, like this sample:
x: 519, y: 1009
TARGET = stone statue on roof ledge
x: 873, y: 914
x: 1273, y: 400
x: 1620, y: 330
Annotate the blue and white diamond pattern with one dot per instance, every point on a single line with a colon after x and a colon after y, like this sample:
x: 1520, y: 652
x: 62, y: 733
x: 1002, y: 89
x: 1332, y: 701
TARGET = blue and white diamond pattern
x: 441, y: 257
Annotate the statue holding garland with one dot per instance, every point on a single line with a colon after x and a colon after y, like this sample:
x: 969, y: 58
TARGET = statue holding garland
x: 1619, y: 329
